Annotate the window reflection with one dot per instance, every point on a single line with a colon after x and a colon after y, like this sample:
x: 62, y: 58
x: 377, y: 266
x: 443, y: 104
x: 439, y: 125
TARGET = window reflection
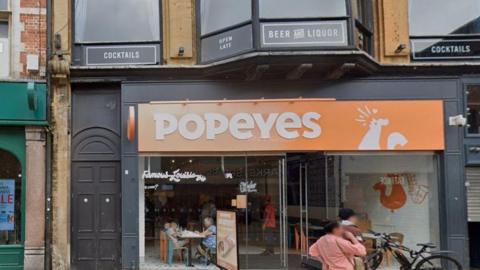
x: 302, y: 8
x: 117, y: 20
x: 427, y: 17
x: 220, y: 14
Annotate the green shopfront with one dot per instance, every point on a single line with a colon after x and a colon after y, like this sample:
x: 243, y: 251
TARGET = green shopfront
x: 23, y: 119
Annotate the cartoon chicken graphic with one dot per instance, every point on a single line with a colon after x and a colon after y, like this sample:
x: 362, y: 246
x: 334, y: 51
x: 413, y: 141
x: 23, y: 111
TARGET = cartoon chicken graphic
x: 393, y: 200
x: 371, y: 138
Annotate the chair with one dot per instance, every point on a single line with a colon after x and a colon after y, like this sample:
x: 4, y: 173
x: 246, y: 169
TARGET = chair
x: 301, y: 238
x: 172, y: 248
x: 210, y: 256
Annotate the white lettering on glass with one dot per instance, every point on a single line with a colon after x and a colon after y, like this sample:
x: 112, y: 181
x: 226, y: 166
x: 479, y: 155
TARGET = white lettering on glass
x: 248, y: 187
x: 176, y: 176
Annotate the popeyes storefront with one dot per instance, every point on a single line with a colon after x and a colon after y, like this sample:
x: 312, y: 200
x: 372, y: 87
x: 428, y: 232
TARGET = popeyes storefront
x: 380, y: 147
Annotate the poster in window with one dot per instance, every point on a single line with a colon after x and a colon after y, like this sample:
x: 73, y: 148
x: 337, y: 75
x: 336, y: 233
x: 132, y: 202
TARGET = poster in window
x: 7, y: 205
x: 227, y: 247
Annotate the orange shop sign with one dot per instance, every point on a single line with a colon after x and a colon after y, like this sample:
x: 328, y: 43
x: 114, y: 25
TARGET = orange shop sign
x: 290, y: 125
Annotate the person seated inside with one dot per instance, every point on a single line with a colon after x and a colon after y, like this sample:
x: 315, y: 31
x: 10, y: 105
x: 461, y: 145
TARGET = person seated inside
x: 209, y: 243
x: 171, y: 229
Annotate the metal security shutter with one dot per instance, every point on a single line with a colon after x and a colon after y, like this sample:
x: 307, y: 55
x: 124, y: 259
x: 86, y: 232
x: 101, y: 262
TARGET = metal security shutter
x: 473, y: 194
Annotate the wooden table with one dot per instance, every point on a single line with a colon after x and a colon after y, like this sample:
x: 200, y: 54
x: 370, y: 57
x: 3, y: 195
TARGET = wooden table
x: 190, y: 236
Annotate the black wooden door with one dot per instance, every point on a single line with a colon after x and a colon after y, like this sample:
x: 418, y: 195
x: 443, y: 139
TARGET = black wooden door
x: 96, y: 225
x: 96, y: 208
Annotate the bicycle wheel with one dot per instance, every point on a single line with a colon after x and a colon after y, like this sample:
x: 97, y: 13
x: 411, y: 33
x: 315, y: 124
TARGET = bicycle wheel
x: 374, y: 260
x: 438, y: 262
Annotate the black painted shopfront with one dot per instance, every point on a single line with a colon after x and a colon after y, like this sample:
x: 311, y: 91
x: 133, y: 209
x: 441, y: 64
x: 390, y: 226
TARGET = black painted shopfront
x: 297, y: 182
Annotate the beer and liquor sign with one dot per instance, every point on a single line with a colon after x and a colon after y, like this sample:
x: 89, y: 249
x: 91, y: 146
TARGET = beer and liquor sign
x: 304, y: 34
x: 290, y: 125
x: 7, y: 205
x: 443, y: 49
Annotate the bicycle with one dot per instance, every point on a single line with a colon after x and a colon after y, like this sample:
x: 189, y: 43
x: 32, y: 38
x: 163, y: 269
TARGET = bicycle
x: 422, y: 259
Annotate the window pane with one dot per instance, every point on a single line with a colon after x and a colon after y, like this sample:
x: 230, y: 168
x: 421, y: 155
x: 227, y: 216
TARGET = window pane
x: 4, y: 5
x: 302, y: 8
x: 10, y: 202
x: 428, y: 17
x: 219, y: 14
x: 473, y: 109
x: 393, y: 194
x: 127, y: 20
x: 3, y: 29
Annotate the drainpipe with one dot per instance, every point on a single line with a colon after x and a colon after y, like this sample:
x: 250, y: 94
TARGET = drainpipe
x: 48, y: 147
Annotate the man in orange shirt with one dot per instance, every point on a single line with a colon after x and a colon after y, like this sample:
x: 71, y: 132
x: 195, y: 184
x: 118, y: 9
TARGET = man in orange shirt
x: 269, y: 225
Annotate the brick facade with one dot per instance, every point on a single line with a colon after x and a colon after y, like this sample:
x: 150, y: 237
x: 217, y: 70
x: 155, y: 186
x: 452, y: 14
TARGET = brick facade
x: 29, y: 37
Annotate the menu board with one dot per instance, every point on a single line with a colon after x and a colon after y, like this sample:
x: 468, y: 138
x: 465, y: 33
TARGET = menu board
x: 7, y: 205
x: 227, y: 245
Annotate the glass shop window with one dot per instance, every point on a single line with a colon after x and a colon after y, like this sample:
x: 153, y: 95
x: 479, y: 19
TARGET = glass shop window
x: 280, y: 9
x: 473, y: 109
x: 216, y: 14
x: 117, y: 21
x: 392, y: 194
x: 10, y: 199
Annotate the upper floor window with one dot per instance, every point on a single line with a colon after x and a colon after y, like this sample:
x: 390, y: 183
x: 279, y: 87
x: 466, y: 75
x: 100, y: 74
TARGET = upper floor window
x: 214, y: 16
x: 278, y: 9
x: 117, y: 32
x: 4, y: 49
x: 444, y: 29
x: 117, y: 20
x: 4, y: 5
x: 234, y: 27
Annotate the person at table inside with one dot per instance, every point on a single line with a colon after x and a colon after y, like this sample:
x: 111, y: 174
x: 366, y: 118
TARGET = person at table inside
x: 334, y: 251
x: 171, y: 229
x: 209, y: 241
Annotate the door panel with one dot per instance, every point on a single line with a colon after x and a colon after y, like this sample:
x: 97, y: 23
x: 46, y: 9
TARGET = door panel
x: 96, y: 215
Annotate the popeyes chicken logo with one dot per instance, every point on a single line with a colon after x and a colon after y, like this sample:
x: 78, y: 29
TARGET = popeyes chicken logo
x: 371, y: 139
x: 395, y: 188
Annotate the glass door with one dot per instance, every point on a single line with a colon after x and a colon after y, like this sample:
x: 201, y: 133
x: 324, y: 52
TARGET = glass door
x: 263, y: 236
x: 306, y: 207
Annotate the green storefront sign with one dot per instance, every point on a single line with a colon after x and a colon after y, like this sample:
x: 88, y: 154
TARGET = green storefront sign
x: 21, y: 104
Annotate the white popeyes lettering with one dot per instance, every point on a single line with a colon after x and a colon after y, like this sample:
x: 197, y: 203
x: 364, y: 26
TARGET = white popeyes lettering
x: 265, y: 126
x: 197, y: 131
x: 315, y: 129
x: 212, y: 128
x: 287, y: 121
x: 241, y: 125
x: 161, y: 126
